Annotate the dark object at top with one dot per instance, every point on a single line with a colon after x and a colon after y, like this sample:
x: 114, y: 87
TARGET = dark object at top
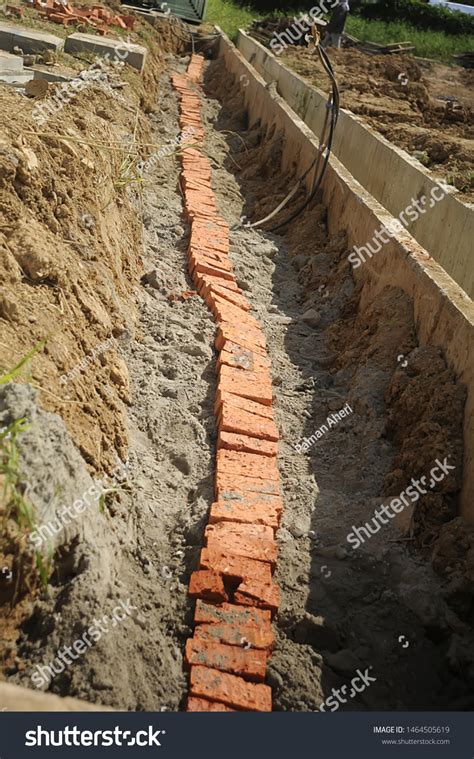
x: 338, y: 19
x: 188, y: 10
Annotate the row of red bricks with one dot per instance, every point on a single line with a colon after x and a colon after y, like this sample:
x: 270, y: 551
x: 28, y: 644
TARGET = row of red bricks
x: 236, y: 596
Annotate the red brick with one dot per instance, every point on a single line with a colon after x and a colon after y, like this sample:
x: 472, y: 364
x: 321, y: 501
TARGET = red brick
x: 223, y: 292
x: 245, y: 385
x: 251, y: 341
x: 201, y: 242
x: 212, y: 257
x: 243, y: 497
x: 242, y: 358
x: 206, y: 279
x: 229, y: 689
x: 242, y: 513
x: 262, y: 595
x: 238, y: 421
x: 203, y: 705
x: 238, y: 528
x: 240, y: 545
x: 230, y: 614
x: 246, y: 662
x: 236, y: 568
x: 248, y: 635
x: 252, y: 385
x: 248, y: 464
x: 226, y: 483
x: 244, y: 404
x: 207, y: 584
x: 206, y: 268
x: 232, y: 442
x: 224, y: 311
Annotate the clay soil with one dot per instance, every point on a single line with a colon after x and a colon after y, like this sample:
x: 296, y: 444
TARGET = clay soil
x: 422, y: 106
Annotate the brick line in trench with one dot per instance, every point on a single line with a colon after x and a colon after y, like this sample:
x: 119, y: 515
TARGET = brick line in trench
x: 235, y: 592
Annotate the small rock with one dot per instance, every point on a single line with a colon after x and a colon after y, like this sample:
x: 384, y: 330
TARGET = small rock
x: 181, y: 463
x: 332, y: 552
x: 344, y: 662
x: 283, y: 535
x: 311, y: 317
x: 152, y: 278
x: 300, y: 260
x: 274, y: 679
x: 317, y: 633
x: 299, y: 528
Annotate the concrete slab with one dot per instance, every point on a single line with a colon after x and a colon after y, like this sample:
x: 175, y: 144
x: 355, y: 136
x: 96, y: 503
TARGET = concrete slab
x: 147, y: 15
x: 10, y: 63
x: 134, y: 55
x: 29, y: 40
x: 49, y: 76
x: 17, y: 78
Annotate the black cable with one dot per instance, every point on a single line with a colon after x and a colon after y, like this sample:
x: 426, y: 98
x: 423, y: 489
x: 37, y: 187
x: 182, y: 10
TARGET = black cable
x: 333, y: 107
x: 333, y: 103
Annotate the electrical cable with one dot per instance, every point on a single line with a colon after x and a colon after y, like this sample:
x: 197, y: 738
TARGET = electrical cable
x: 332, y: 106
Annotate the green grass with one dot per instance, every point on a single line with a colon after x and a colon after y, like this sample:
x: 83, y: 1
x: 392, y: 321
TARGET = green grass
x: 428, y: 44
x: 13, y: 504
x: 229, y: 16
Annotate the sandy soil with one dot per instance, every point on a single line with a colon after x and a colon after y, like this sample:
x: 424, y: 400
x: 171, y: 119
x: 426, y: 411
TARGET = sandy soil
x: 147, y: 401
x: 425, y: 108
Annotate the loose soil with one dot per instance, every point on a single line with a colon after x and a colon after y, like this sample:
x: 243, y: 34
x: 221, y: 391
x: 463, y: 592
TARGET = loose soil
x: 424, y: 107
x: 148, y: 402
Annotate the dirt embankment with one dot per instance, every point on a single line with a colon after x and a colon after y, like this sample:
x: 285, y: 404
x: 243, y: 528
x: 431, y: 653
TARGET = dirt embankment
x: 70, y: 246
x: 78, y: 232
x: 421, y: 106
x: 345, y: 608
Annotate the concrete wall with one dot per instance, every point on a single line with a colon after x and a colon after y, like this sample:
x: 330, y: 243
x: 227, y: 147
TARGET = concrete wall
x: 444, y: 314
x: 393, y: 178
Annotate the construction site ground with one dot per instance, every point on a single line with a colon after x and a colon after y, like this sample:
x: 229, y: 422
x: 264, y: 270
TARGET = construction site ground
x: 91, y: 254
x: 422, y: 106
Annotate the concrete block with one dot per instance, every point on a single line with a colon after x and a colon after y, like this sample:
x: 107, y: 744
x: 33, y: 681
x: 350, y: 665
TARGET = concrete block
x: 147, y: 15
x: 134, y: 55
x: 49, y: 76
x: 10, y: 63
x: 29, y: 40
x: 16, y: 78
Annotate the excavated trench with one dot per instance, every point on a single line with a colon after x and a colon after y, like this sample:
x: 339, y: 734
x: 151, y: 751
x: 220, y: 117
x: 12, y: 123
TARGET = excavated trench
x: 380, y: 608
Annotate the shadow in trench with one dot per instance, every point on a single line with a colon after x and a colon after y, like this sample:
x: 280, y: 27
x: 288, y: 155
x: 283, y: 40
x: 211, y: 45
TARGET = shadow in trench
x: 378, y: 612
